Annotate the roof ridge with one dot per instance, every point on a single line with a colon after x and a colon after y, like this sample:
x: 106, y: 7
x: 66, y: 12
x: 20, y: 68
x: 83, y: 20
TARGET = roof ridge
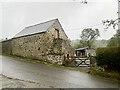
x: 42, y: 22
x: 30, y: 29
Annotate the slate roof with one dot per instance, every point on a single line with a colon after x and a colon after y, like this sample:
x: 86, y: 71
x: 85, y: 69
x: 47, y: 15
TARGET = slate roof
x: 79, y: 49
x: 86, y: 48
x: 38, y: 28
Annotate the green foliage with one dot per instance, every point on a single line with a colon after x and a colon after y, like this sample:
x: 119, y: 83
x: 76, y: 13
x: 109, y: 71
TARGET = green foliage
x: 78, y: 45
x: 54, y: 53
x: 97, y: 43
x: 114, y: 41
x: 109, y: 58
x: 100, y: 43
x: 113, y: 75
x: 88, y: 36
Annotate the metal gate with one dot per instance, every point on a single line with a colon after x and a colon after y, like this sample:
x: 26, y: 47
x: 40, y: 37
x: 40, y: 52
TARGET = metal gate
x: 83, y: 62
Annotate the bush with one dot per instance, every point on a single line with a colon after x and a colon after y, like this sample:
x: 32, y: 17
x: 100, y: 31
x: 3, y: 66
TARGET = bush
x: 109, y: 58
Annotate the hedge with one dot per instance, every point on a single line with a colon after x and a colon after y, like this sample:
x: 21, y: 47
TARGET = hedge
x: 109, y: 58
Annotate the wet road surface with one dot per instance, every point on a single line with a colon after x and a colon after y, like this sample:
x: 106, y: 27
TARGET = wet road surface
x: 8, y: 82
x: 53, y: 76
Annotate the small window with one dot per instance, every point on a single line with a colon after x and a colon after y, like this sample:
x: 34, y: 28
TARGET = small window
x: 57, y: 33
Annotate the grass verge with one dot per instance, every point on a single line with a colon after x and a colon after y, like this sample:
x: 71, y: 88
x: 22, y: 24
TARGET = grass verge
x: 111, y: 75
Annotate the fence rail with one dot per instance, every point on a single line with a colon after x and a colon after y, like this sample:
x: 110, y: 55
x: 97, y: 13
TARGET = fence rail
x: 84, y: 61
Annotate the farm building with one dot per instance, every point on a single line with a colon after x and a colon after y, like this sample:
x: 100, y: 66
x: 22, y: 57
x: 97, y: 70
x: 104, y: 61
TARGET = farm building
x: 85, y: 52
x: 46, y: 41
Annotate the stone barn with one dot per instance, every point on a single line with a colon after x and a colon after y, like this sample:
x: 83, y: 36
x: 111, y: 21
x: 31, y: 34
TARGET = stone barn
x: 46, y: 41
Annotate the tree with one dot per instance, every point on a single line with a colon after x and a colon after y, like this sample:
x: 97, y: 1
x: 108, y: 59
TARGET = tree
x: 76, y: 44
x: 113, y: 23
x: 109, y: 23
x: 88, y: 36
x: 114, y: 41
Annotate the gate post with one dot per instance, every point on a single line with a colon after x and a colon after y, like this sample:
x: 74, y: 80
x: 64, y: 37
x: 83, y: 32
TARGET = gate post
x: 92, y: 62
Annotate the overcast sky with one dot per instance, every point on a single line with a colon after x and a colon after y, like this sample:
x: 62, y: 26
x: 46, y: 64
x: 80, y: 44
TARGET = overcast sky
x: 73, y: 15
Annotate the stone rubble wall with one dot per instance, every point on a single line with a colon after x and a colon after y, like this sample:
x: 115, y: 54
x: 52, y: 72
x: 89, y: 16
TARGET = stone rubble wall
x: 34, y: 46
x: 67, y: 49
x: 41, y: 46
x: 6, y: 47
x: 63, y: 43
x: 56, y: 59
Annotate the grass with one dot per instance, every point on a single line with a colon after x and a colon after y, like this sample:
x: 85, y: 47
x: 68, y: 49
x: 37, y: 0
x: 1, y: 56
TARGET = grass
x: 111, y: 75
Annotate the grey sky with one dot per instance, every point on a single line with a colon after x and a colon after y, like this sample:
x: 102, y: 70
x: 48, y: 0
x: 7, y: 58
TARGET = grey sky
x: 73, y: 16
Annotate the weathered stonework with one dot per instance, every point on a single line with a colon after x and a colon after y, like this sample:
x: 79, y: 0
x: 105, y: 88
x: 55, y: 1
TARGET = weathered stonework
x: 6, y: 47
x: 55, y: 59
x: 44, y: 46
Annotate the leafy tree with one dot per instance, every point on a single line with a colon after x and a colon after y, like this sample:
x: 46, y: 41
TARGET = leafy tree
x: 114, y: 41
x: 76, y: 44
x: 88, y: 36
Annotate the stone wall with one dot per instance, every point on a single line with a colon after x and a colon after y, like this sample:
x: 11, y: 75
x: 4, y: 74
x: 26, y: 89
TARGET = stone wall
x: 67, y: 49
x: 62, y: 41
x: 6, y: 47
x: 34, y: 46
x: 56, y: 59
x: 57, y: 26
x: 41, y: 46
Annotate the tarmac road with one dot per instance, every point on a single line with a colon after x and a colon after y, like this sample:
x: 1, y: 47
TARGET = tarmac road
x: 51, y: 76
